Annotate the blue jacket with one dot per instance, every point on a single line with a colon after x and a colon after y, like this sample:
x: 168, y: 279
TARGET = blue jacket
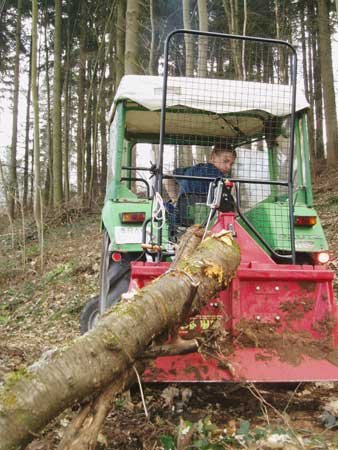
x: 197, y: 186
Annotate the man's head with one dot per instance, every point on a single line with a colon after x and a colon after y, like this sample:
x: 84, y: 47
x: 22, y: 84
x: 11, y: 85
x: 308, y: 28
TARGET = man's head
x: 223, y: 158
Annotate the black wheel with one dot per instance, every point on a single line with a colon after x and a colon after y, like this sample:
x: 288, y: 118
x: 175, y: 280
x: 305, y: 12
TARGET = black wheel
x: 89, y: 315
x: 114, y: 276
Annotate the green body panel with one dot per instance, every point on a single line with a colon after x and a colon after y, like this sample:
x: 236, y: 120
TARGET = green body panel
x: 271, y: 220
x: 111, y: 220
x: 306, y: 161
x: 117, y: 146
x: 271, y: 216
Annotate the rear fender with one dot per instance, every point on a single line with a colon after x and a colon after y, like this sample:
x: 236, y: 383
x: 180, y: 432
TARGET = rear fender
x: 131, y: 239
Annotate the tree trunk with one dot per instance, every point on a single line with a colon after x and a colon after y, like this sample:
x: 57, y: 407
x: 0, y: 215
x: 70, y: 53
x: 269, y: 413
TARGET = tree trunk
x: 326, y: 68
x: 57, y: 91
x: 28, y: 109
x: 13, y: 182
x: 318, y: 96
x: 94, y: 149
x: 202, y: 40
x: 202, y: 67
x: 88, y: 131
x: 81, y: 103
x: 66, y: 116
x: 48, y: 195
x: 229, y: 9
x: 308, y: 89
x: 131, y: 65
x: 151, y: 64
x: 120, y: 40
x: 245, y: 20
x: 103, y: 135
x: 189, y: 65
x: 35, y: 99
x: 30, y: 400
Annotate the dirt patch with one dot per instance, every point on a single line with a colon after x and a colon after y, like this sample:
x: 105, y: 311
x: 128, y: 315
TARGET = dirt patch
x: 288, y: 345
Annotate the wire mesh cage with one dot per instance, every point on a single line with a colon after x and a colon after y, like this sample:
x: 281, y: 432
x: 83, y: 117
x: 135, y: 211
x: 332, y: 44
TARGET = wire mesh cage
x: 228, y: 111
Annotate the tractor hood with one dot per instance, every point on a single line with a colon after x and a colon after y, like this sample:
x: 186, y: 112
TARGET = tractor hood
x: 225, y: 105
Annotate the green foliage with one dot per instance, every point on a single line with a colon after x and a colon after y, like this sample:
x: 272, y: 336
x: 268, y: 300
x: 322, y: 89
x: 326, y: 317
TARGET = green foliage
x: 333, y: 200
x: 206, y: 435
x: 167, y: 442
x: 61, y: 270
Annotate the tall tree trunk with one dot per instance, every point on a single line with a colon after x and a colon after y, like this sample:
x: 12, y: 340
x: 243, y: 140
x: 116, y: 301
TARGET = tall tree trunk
x: 80, y: 141
x: 57, y: 92
x: 120, y: 41
x: 308, y: 89
x: 88, y: 132
x: 131, y: 65
x: 326, y: 68
x: 108, y: 351
x: 184, y: 152
x: 36, y: 140
x: 28, y: 109
x: 245, y: 20
x: 48, y: 194
x: 317, y: 81
x: 229, y: 9
x: 94, y: 124
x: 188, y: 39
x: 103, y: 134
x: 202, y: 66
x: 13, y: 182
x: 151, y: 64
x: 66, y: 136
x: 202, y: 40
x: 98, y: 89
x: 66, y: 115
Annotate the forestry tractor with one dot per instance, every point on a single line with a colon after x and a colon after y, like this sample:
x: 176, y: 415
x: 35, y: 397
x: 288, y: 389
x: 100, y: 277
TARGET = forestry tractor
x: 278, y: 317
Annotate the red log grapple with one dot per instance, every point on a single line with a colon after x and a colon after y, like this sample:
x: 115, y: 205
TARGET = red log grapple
x: 278, y: 322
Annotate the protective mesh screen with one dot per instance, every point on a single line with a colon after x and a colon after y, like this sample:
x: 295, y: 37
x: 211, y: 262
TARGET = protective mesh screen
x: 236, y: 95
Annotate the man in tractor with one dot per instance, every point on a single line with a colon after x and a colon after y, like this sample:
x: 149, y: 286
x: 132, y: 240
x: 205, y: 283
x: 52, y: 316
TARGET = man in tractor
x: 219, y: 166
x: 191, y: 191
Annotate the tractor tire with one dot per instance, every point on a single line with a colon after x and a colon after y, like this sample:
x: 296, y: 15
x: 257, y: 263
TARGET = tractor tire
x: 89, y: 315
x: 114, y: 276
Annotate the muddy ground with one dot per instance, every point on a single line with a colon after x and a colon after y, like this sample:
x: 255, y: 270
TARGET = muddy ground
x: 39, y: 309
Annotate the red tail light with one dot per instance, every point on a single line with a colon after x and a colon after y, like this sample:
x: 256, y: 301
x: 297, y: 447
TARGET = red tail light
x: 137, y: 217
x: 305, y: 221
x: 116, y: 256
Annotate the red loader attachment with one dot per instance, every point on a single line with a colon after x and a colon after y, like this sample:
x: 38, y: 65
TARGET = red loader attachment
x: 274, y: 323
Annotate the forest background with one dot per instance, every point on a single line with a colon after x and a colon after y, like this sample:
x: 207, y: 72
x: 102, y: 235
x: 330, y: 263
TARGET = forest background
x: 60, y: 65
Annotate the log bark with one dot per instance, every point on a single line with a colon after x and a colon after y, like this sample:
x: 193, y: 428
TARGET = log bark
x: 31, y: 398
x: 83, y: 431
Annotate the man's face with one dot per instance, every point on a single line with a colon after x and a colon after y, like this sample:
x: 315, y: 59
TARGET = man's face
x: 223, y: 161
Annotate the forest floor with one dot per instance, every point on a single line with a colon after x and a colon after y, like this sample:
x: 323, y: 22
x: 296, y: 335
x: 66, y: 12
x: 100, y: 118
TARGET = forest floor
x: 40, y: 310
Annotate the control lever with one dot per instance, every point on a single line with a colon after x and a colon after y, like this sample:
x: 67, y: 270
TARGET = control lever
x: 215, y: 193
x: 213, y: 200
